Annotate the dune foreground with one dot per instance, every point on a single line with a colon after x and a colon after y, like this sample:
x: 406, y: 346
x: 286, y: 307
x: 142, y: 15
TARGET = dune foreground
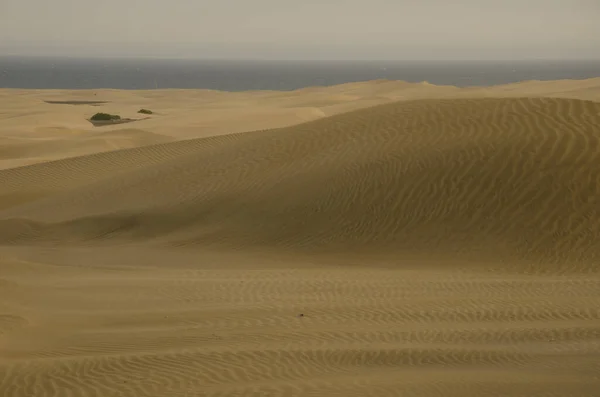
x: 370, y: 239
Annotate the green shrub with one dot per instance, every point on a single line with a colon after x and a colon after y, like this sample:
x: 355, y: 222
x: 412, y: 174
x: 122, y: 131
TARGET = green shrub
x: 145, y: 111
x: 105, y: 117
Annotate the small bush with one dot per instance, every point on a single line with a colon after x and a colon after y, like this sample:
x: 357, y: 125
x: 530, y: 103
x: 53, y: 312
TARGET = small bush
x: 105, y: 117
x: 145, y: 111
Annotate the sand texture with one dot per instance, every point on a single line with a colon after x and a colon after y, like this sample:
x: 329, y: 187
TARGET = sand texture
x: 369, y: 239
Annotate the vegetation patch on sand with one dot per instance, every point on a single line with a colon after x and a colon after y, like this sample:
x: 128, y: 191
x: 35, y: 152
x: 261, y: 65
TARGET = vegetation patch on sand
x: 145, y: 111
x: 105, y: 117
x: 100, y: 119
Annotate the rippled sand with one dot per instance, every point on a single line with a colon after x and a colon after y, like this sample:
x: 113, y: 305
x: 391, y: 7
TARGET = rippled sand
x: 369, y: 239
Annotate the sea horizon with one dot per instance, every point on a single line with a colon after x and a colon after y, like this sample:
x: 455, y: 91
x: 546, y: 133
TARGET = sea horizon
x: 143, y: 73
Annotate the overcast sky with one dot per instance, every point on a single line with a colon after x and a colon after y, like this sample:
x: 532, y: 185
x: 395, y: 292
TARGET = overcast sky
x: 303, y: 29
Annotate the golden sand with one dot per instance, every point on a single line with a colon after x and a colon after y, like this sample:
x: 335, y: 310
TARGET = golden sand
x: 368, y: 239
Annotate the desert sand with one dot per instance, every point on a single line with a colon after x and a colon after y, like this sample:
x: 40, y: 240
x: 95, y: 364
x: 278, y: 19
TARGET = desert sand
x: 369, y: 239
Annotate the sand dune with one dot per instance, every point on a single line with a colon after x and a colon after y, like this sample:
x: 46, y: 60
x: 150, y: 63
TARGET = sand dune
x: 369, y: 239
x: 24, y: 151
x: 233, y: 328
x: 188, y: 114
x: 502, y: 179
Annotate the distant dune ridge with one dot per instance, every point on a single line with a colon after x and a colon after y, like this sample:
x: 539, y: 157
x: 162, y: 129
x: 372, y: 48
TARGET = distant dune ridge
x: 27, y: 118
x: 369, y: 239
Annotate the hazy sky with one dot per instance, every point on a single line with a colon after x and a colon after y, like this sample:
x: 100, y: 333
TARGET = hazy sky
x: 304, y: 29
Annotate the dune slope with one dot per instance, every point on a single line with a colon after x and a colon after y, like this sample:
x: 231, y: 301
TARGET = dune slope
x: 488, y: 179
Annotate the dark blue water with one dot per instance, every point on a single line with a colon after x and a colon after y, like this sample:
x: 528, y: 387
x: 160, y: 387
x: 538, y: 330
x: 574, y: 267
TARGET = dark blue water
x: 71, y: 73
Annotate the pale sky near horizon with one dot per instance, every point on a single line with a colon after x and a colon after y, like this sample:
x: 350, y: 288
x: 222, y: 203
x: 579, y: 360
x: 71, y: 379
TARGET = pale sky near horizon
x: 303, y: 29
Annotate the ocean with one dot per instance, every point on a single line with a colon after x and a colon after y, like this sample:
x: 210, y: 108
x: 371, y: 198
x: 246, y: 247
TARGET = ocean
x: 80, y: 73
